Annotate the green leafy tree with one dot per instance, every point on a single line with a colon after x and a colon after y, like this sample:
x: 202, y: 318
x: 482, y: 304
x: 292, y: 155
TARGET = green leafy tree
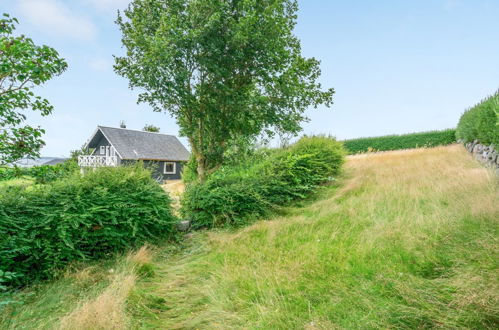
x: 23, y: 65
x: 224, y: 70
x: 151, y: 128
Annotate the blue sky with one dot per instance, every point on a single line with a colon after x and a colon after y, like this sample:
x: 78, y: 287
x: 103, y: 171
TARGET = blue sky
x: 397, y: 66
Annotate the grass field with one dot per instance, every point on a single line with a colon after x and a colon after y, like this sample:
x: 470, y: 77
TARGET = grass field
x: 407, y: 239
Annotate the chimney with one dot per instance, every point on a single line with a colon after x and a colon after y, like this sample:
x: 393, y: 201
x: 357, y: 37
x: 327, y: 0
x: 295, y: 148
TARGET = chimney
x: 122, y: 124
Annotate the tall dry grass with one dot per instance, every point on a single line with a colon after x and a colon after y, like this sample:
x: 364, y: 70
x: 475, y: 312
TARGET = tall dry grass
x: 108, y: 310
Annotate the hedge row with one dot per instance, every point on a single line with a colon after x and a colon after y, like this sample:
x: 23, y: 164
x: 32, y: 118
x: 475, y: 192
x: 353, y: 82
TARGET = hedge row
x: 397, y: 142
x: 43, y: 228
x: 234, y: 195
x: 481, y: 122
x: 41, y: 174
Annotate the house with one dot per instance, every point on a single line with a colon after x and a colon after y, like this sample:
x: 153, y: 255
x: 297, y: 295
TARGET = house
x: 164, y: 154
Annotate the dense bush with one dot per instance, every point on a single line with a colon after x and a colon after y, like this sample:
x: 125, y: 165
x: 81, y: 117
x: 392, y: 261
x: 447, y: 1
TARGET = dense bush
x: 9, y: 173
x: 41, y: 174
x: 481, y: 122
x: 44, y: 227
x: 238, y: 193
x: 396, y: 142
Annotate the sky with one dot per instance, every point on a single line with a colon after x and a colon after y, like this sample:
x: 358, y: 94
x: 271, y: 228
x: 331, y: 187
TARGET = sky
x: 397, y: 66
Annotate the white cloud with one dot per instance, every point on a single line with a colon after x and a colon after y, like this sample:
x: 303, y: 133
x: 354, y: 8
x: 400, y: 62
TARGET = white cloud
x: 54, y: 17
x: 100, y: 64
x: 108, y: 4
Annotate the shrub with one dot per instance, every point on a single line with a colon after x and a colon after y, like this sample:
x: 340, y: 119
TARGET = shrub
x: 397, y: 142
x: 47, y: 173
x: 42, y: 228
x: 9, y: 173
x: 236, y: 194
x: 481, y: 122
x: 42, y: 174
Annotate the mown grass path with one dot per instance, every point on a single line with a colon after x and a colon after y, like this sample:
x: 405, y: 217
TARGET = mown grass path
x: 408, y: 240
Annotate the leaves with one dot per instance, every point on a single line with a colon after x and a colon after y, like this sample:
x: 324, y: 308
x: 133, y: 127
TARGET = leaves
x: 225, y: 70
x: 45, y: 227
x: 480, y: 122
x: 239, y: 193
x: 23, y: 65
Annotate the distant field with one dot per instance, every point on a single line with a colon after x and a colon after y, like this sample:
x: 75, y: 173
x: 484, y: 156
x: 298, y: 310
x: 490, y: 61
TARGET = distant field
x: 397, y: 142
x: 407, y: 239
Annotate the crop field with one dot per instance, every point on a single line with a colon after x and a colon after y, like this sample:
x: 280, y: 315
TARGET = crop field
x: 397, y: 142
x: 406, y: 239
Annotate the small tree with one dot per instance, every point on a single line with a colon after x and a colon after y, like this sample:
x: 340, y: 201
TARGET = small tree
x: 23, y: 65
x: 225, y: 70
x: 151, y: 128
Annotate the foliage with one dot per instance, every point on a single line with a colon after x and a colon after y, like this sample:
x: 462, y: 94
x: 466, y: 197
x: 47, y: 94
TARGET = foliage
x: 47, y: 173
x: 481, y: 122
x: 9, y: 173
x: 235, y: 194
x: 239, y: 151
x: 23, y: 65
x: 224, y: 70
x: 405, y: 141
x: 151, y: 128
x: 42, y: 174
x: 83, y: 151
x: 78, y: 218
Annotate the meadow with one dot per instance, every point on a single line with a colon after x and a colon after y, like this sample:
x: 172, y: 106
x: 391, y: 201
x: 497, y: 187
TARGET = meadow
x: 405, y: 239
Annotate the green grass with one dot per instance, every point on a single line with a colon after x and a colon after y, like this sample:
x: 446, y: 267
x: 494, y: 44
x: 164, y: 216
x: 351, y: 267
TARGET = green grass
x: 41, y: 306
x: 409, y: 240
x: 397, y: 142
x: 405, y: 240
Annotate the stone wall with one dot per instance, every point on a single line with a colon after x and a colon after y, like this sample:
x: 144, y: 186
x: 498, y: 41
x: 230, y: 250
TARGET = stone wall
x: 488, y: 155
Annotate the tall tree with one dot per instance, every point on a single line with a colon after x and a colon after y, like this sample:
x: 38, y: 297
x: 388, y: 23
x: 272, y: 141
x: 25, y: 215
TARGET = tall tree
x: 224, y: 69
x: 23, y: 65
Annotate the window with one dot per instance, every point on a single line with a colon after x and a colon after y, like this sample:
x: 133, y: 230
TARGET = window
x: 169, y: 168
x: 102, y: 150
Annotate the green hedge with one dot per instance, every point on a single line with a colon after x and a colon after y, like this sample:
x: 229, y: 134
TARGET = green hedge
x: 237, y: 194
x: 397, y: 142
x: 481, y: 122
x: 42, y: 228
x: 42, y: 174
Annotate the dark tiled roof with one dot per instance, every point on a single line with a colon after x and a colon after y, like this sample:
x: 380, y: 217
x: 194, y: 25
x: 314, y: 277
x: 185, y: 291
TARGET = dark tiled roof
x: 133, y: 144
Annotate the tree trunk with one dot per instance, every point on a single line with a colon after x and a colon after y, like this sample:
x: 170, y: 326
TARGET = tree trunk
x: 200, y: 158
x: 201, y: 168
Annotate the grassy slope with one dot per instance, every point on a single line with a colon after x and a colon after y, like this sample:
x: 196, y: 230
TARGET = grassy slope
x: 409, y: 239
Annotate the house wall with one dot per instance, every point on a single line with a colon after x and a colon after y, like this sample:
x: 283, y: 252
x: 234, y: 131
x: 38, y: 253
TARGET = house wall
x: 103, y: 142
x: 157, y: 168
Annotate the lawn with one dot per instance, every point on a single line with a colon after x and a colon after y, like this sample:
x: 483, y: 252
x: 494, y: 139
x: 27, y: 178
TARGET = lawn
x: 406, y: 239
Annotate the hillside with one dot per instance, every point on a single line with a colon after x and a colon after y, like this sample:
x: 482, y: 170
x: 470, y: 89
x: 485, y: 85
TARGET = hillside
x: 406, y: 239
